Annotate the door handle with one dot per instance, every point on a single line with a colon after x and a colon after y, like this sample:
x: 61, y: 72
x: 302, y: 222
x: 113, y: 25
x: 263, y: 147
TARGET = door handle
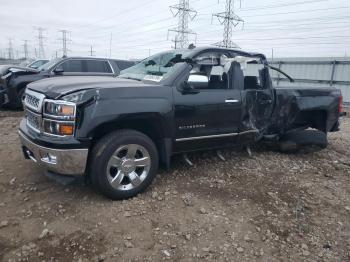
x: 231, y: 101
x: 266, y: 102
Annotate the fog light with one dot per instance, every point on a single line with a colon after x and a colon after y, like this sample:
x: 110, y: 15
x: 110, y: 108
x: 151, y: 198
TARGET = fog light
x: 50, y: 159
x: 66, y: 129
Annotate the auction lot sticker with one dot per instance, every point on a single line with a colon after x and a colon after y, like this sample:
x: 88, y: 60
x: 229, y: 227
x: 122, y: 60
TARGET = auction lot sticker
x: 153, y: 78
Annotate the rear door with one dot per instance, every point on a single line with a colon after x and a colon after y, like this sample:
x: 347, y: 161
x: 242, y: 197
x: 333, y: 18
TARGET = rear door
x: 98, y: 67
x: 258, y: 96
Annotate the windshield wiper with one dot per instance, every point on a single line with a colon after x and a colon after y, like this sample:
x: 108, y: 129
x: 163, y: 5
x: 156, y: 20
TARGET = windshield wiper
x: 131, y: 78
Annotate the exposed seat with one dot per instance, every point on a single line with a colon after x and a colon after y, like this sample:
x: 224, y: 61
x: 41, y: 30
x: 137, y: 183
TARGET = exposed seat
x: 251, y: 82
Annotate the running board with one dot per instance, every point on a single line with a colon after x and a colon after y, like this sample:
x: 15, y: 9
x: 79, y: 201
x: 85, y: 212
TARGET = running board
x: 219, y: 154
x: 249, y: 151
x: 187, y: 160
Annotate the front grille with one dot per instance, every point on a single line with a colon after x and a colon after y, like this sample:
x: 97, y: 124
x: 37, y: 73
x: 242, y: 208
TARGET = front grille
x: 33, y: 100
x: 33, y: 106
x: 33, y: 120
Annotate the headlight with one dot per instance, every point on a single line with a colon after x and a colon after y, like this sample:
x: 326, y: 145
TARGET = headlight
x: 75, y: 97
x: 59, y: 109
x: 59, y: 117
x: 58, y: 128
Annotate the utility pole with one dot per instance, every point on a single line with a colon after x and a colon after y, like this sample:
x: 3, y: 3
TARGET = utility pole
x: 184, y: 13
x: 41, y: 50
x: 272, y: 54
x: 64, y: 42
x: 25, y: 49
x: 10, y: 50
x: 110, y: 46
x: 230, y: 20
x: 91, y: 52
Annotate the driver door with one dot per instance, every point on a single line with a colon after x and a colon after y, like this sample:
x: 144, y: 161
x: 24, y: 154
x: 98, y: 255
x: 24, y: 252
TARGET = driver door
x: 207, y: 116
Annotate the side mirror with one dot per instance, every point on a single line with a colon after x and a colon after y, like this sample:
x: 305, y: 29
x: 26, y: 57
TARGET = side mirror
x: 198, y: 81
x: 58, y: 70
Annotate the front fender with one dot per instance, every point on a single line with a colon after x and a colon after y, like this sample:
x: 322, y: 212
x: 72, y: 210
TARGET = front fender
x: 153, y: 104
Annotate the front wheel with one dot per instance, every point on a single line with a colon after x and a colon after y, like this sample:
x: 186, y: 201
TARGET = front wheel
x: 124, y: 163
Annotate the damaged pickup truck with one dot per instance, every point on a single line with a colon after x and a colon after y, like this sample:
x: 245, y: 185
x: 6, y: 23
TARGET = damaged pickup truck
x: 116, y: 131
x: 6, y: 71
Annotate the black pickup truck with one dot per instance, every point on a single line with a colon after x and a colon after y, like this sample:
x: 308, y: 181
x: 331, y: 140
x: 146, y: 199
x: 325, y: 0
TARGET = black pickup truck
x: 14, y: 79
x: 116, y: 131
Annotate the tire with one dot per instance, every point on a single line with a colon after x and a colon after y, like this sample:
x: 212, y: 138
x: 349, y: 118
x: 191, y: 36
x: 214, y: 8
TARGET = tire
x: 113, y: 170
x: 18, y: 103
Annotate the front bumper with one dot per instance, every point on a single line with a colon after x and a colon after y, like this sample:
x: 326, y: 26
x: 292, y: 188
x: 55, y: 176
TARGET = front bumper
x: 70, y: 162
x: 3, y: 96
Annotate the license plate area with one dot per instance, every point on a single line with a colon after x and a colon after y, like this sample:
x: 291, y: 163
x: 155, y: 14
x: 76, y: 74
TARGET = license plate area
x: 33, y: 120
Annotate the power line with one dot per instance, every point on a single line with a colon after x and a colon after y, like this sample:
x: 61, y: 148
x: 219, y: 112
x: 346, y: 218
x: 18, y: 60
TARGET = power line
x: 282, y: 5
x: 123, y: 11
x: 284, y: 13
x: 229, y: 19
x: 184, y: 14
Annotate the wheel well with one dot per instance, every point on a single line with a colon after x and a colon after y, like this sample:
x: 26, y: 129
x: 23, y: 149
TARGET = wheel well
x: 21, y: 86
x: 316, y: 119
x: 150, y: 127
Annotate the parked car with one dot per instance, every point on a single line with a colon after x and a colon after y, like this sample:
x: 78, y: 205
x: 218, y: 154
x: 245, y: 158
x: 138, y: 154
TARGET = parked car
x: 117, y: 130
x: 38, y: 63
x: 6, y: 71
x: 26, y: 62
x: 15, y: 79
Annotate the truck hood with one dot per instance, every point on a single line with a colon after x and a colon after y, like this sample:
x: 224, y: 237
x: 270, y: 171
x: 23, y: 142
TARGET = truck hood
x: 59, y: 86
x: 13, y: 69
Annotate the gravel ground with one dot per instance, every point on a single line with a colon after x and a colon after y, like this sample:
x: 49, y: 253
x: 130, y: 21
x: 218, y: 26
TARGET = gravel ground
x: 268, y: 207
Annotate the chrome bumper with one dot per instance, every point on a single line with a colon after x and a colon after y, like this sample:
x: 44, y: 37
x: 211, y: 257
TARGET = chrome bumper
x: 61, y: 161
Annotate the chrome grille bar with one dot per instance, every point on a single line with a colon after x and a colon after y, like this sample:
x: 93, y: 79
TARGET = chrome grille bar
x: 33, y: 100
x: 33, y: 107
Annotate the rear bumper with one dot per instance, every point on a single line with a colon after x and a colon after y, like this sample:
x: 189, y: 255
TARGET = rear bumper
x: 70, y: 162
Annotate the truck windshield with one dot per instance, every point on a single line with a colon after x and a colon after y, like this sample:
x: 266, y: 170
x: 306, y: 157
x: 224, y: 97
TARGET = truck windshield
x: 49, y: 64
x: 155, y: 68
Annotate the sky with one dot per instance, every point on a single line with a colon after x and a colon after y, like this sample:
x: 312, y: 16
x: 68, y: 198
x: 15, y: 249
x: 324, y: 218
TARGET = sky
x: 135, y: 29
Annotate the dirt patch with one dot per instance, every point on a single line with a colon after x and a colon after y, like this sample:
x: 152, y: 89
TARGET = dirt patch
x: 268, y: 207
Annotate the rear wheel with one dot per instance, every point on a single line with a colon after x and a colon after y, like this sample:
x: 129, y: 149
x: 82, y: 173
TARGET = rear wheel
x: 124, y: 163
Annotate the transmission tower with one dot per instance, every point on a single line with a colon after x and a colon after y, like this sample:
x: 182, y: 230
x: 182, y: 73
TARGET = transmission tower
x: 64, y: 40
x: 184, y: 13
x: 25, y: 49
x: 10, y: 50
x: 230, y: 20
x: 41, y: 50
